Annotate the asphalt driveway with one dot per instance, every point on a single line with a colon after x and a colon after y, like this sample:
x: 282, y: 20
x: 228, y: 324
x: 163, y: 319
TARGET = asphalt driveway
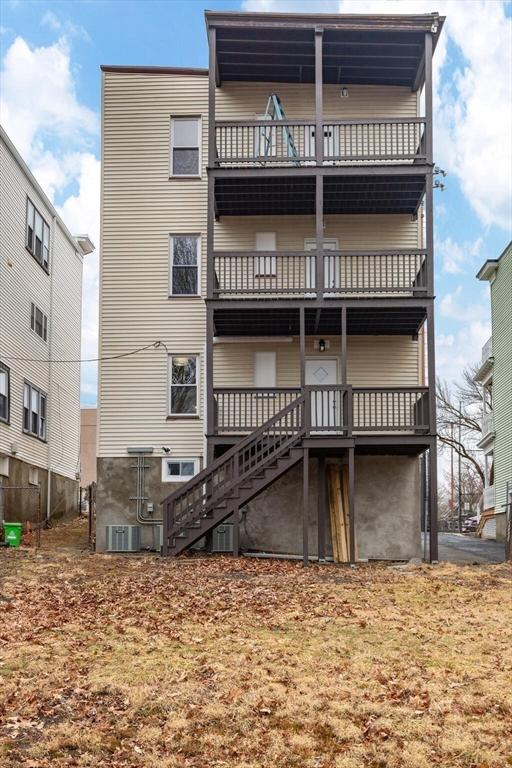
x: 466, y: 548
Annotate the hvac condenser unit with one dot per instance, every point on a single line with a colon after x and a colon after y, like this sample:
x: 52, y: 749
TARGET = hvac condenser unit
x: 222, y: 538
x: 123, y: 538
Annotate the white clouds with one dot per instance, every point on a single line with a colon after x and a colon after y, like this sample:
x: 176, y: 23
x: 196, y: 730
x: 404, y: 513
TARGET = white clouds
x: 38, y: 97
x: 471, y: 325
x: 457, y: 258
x: 57, y: 135
x: 49, y: 19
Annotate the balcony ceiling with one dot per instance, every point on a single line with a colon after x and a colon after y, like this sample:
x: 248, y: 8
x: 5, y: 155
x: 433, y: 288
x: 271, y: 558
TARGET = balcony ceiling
x: 364, y: 321
x: 356, y: 50
x: 258, y: 196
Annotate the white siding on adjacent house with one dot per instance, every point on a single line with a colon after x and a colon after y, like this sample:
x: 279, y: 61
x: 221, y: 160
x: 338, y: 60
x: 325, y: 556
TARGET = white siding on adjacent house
x: 58, y: 294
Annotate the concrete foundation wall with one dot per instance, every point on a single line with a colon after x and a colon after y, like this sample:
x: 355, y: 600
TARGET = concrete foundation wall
x: 387, y: 504
x: 18, y: 505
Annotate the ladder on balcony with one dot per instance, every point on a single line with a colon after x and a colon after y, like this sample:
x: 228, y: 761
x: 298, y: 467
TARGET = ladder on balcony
x: 274, y: 111
x: 234, y: 478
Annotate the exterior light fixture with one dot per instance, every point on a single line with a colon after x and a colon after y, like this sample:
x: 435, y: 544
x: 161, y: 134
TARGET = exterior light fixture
x: 321, y: 345
x: 344, y: 93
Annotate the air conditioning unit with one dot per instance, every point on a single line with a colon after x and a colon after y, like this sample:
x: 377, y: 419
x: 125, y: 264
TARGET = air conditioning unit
x: 222, y: 538
x: 123, y: 538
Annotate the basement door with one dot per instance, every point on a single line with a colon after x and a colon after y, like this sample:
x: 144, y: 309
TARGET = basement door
x: 325, y: 406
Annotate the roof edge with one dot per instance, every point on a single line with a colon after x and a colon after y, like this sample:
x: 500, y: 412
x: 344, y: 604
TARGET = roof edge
x: 147, y: 70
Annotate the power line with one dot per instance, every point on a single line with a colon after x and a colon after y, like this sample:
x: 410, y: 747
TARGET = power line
x: 153, y: 345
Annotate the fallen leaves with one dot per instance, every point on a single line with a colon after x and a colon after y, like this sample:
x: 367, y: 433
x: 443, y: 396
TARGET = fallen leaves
x: 213, y: 663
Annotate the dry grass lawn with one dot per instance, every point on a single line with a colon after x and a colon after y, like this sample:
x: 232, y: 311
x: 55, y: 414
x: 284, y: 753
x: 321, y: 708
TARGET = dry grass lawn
x: 112, y: 661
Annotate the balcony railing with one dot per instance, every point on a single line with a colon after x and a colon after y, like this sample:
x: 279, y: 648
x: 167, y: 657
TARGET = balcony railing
x: 333, y: 409
x: 292, y: 142
x: 258, y: 274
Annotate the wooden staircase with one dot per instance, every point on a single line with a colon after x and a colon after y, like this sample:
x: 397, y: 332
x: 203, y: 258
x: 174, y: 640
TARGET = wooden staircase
x: 234, y: 478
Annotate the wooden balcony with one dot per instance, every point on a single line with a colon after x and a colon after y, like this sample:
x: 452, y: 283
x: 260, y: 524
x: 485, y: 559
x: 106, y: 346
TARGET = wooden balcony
x: 278, y: 143
x: 331, y: 410
x: 258, y: 274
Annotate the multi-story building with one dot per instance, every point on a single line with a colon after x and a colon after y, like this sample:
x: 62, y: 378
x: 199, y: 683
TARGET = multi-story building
x: 286, y: 283
x: 495, y: 377
x: 40, y: 326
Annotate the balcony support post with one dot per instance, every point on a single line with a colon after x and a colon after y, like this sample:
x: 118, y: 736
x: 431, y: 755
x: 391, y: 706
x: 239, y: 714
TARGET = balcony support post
x: 432, y: 500
x: 305, y: 508
x: 351, y: 507
x: 302, y: 337
x: 319, y: 154
x: 343, y: 345
x: 210, y: 403
x: 321, y: 507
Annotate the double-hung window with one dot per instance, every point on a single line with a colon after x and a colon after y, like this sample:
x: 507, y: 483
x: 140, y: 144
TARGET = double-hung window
x: 184, y: 385
x: 38, y: 235
x: 34, y: 411
x: 179, y: 470
x: 185, y: 146
x: 38, y: 322
x: 4, y: 392
x: 185, y: 258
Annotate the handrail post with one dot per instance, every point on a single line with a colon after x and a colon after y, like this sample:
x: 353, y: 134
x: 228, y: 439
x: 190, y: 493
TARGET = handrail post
x: 350, y: 410
x: 307, y: 411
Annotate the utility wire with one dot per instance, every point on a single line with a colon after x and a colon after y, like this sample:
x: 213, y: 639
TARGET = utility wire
x: 153, y: 345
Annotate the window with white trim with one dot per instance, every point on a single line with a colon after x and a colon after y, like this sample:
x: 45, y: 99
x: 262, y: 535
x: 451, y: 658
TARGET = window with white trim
x: 4, y: 392
x: 34, y: 411
x: 38, y: 235
x: 185, y: 269
x: 184, y: 375
x: 185, y: 146
x: 38, y: 321
x: 179, y: 470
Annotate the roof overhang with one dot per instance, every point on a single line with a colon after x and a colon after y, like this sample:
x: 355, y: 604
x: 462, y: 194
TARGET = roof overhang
x: 363, y: 50
x: 488, y: 270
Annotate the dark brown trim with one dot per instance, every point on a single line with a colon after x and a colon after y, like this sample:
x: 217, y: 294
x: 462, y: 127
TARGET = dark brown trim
x: 351, y: 507
x: 143, y: 70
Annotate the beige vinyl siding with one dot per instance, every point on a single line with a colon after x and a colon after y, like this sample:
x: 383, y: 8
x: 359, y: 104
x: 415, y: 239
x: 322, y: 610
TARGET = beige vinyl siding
x: 141, y: 207
x: 373, y: 232
x: 372, y: 361
x: 243, y: 101
x: 23, y: 281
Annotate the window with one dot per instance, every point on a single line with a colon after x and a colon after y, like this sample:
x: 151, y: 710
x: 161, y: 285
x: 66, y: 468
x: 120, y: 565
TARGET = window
x: 33, y: 476
x: 34, y: 411
x: 185, y: 258
x: 38, y: 235
x: 185, y: 155
x: 4, y: 392
x: 179, y: 470
x: 184, y: 376
x: 38, y: 321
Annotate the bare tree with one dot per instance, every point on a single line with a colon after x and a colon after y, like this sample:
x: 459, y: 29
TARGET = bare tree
x: 461, y: 406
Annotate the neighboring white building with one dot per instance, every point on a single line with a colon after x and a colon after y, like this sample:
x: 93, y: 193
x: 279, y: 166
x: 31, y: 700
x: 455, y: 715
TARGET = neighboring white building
x: 40, y: 323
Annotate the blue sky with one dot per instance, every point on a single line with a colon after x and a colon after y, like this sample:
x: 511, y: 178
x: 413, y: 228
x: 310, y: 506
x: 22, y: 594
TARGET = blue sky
x: 51, y: 53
